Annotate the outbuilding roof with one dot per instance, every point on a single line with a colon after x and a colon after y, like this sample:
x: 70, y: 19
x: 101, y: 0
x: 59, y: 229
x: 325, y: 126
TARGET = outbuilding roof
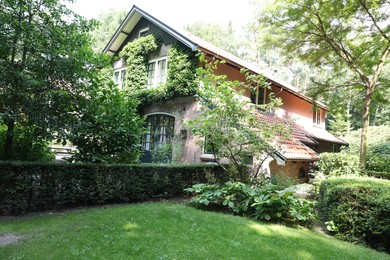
x: 296, y: 145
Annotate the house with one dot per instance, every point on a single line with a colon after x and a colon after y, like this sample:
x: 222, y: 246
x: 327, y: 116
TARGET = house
x: 165, y: 117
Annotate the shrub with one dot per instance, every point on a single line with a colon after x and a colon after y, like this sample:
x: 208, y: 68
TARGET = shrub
x: 108, y: 129
x: 36, y: 186
x: 378, y: 154
x: 381, y: 175
x: 338, y: 164
x: 265, y: 202
x: 26, y: 146
x: 162, y: 153
x: 357, y: 209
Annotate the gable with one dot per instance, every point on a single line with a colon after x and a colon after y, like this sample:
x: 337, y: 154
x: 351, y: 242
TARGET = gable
x: 152, y: 28
x: 131, y: 21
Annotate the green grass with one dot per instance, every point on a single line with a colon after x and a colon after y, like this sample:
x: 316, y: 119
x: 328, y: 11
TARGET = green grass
x: 167, y: 231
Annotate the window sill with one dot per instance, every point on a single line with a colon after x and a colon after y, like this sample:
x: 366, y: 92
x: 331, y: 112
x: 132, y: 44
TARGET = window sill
x: 207, y: 158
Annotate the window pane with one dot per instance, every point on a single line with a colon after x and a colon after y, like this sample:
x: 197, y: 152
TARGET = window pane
x: 160, y: 130
x: 261, y: 99
x: 116, y: 77
x: 123, y: 74
x: 254, y: 96
x: 162, y: 70
x: 151, y: 74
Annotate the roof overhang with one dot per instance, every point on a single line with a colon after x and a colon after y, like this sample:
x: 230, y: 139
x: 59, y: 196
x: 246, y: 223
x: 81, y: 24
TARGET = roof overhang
x: 131, y: 21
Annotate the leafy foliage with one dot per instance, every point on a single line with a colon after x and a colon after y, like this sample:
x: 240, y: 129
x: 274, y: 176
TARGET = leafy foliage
x: 349, y: 38
x: 378, y: 155
x: 181, y: 71
x: 25, y: 147
x: 338, y: 164
x: 162, y: 154
x: 32, y: 186
x: 229, y: 123
x: 222, y: 36
x: 108, y: 129
x: 136, y: 54
x: 265, y: 202
x: 358, y: 209
x: 46, y: 62
x: 108, y: 22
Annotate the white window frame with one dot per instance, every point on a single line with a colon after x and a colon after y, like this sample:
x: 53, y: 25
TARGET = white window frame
x: 142, y: 31
x: 317, y: 116
x: 156, y: 71
x: 121, y: 78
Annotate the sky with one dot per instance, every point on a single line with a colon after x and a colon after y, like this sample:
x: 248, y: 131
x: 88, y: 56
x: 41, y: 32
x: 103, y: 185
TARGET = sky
x: 176, y: 12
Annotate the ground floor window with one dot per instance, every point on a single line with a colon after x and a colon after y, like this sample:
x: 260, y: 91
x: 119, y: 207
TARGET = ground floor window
x: 157, y: 140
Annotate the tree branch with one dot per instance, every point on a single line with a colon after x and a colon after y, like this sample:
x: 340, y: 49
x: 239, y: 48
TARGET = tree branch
x: 383, y: 34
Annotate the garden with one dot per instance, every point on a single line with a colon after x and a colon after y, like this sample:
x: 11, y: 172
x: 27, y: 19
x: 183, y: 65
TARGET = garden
x: 104, y: 204
x: 169, y: 231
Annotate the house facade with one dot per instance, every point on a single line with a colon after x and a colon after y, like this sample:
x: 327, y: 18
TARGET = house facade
x: 165, y: 118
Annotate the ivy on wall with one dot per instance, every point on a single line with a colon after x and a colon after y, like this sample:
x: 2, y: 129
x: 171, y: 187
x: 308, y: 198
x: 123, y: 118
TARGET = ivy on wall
x: 136, y: 55
x: 181, y: 71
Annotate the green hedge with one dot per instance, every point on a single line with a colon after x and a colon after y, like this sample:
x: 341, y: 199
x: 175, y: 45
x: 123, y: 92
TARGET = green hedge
x: 338, y: 164
x: 36, y: 186
x: 381, y: 175
x: 357, y: 209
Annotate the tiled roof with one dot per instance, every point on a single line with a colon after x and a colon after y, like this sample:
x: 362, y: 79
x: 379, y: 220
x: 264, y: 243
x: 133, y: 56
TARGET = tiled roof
x: 297, y: 131
x: 323, y: 135
x: 294, y: 147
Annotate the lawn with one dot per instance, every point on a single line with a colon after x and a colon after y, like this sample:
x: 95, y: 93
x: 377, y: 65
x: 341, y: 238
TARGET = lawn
x: 167, y: 231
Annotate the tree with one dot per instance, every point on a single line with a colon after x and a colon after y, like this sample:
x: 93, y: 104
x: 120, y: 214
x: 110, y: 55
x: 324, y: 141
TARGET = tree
x: 224, y: 38
x: 341, y: 36
x: 229, y: 124
x: 109, y: 128
x: 46, y: 62
x: 108, y: 21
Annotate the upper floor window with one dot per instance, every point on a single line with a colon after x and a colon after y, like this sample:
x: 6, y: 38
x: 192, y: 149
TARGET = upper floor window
x: 259, y: 96
x: 144, y: 32
x: 157, y: 72
x: 119, y: 77
x: 316, y: 116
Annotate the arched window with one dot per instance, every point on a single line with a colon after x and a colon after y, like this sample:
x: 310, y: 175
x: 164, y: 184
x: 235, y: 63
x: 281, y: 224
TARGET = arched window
x: 159, y: 132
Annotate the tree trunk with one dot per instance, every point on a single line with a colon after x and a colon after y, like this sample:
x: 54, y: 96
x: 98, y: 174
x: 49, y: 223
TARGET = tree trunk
x: 366, y: 122
x: 9, y: 139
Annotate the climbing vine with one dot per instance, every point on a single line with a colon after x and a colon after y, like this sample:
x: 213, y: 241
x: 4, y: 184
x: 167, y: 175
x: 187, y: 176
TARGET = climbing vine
x: 136, y: 55
x: 181, y: 71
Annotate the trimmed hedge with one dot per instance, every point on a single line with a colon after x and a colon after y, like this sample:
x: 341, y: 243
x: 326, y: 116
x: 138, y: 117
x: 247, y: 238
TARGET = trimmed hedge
x: 28, y: 187
x: 381, y: 175
x: 358, y: 209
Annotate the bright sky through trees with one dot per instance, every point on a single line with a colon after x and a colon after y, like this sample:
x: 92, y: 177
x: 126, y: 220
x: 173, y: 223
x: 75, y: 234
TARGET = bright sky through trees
x: 176, y: 12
